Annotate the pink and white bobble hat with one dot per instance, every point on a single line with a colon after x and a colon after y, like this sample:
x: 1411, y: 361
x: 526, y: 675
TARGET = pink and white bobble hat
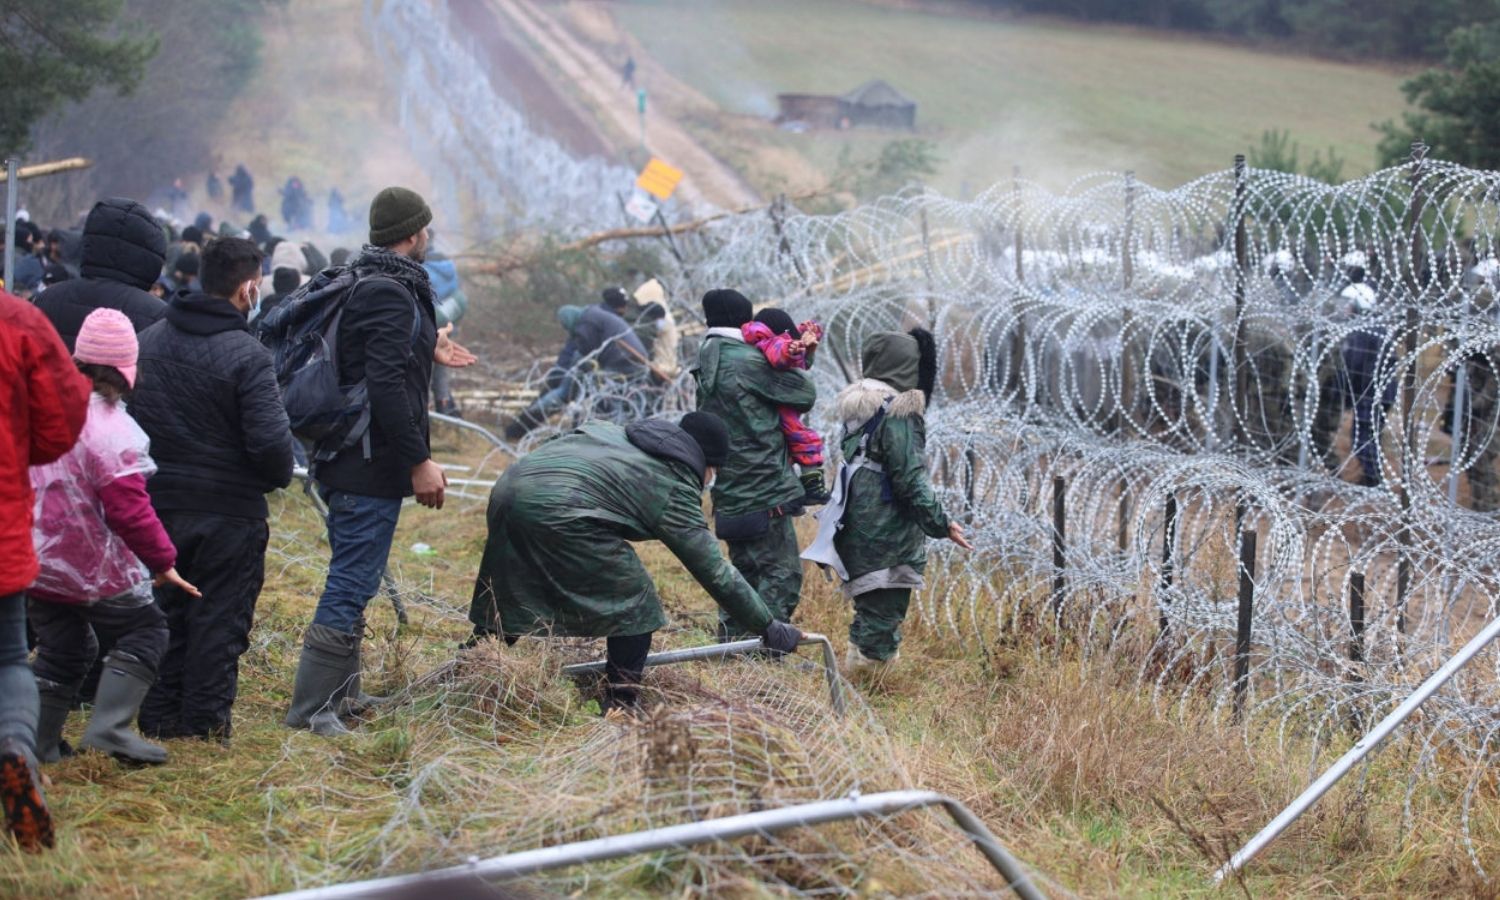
x: 108, y: 339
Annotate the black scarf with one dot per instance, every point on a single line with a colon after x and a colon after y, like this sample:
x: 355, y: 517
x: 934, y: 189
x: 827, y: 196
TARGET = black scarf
x: 409, y: 273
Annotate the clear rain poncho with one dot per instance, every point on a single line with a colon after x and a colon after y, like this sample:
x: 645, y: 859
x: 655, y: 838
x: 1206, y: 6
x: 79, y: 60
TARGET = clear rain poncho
x: 82, y: 560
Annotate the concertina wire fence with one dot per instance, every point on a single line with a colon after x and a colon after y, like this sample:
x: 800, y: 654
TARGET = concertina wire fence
x: 1199, y: 349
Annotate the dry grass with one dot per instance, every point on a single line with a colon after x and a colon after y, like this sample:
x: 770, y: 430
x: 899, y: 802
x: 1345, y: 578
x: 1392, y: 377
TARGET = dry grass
x: 1072, y: 763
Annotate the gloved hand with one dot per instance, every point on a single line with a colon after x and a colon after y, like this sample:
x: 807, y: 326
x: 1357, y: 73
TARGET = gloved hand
x: 779, y: 637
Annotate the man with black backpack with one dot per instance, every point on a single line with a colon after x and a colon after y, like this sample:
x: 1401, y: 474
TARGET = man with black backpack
x: 382, y: 341
x: 208, y: 399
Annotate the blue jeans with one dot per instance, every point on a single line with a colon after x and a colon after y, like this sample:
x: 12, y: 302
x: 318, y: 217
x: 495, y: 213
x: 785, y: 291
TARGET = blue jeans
x: 18, y: 699
x: 360, y: 531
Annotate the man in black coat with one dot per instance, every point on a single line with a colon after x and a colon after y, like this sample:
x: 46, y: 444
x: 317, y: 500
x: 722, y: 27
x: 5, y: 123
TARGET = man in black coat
x: 387, y: 339
x: 207, y: 397
x: 123, y: 253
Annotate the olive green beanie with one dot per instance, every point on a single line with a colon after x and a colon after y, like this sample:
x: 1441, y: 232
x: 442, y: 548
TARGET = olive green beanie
x: 396, y: 214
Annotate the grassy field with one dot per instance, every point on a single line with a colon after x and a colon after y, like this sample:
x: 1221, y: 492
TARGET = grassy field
x: 1058, y: 100
x: 1072, y: 763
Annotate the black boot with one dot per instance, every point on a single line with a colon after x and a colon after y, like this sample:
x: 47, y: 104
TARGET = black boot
x: 56, y: 702
x: 328, y: 669
x: 122, y: 688
x: 814, y: 493
x: 357, y: 702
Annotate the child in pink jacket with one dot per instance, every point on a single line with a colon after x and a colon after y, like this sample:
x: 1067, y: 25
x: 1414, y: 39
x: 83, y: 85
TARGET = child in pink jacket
x: 790, y: 346
x: 101, y: 548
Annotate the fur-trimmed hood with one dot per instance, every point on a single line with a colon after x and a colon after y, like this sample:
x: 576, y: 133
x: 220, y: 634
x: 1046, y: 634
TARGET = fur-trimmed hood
x: 861, y: 400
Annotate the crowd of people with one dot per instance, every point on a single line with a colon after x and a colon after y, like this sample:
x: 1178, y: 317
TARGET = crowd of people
x: 147, y: 427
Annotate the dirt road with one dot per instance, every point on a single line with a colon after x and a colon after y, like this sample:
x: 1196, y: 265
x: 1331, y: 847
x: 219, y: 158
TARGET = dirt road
x: 708, y: 180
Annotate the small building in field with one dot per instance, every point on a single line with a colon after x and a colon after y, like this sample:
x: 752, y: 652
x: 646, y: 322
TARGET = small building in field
x: 874, y: 104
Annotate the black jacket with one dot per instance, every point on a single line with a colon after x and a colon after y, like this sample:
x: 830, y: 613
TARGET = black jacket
x: 123, y: 253
x: 387, y: 336
x: 207, y: 397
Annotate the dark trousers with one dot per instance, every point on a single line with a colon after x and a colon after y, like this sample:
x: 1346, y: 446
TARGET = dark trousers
x: 773, y: 567
x: 225, y: 558
x: 65, y: 641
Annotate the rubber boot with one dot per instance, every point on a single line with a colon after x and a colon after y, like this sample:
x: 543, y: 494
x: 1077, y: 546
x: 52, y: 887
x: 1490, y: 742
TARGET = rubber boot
x: 856, y: 661
x: 122, y: 689
x: 56, y: 701
x: 325, y: 674
x: 26, y: 814
x: 357, y: 702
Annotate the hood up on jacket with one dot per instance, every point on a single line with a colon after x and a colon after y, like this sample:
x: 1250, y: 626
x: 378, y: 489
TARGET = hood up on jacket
x: 197, y: 313
x: 568, y: 316
x: 664, y: 440
x: 121, y: 242
x: 893, y: 358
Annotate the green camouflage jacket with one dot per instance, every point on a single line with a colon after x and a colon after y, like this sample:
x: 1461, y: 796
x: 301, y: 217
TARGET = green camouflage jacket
x: 886, y: 529
x: 557, y: 560
x: 737, y: 384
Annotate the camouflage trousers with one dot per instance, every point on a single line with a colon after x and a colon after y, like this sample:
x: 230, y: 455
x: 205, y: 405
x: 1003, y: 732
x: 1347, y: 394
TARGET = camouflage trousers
x: 876, y: 629
x: 773, y: 566
x: 1329, y: 414
x: 1479, y: 428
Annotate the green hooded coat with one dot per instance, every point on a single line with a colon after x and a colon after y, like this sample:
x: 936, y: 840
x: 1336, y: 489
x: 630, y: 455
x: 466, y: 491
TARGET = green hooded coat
x: 737, y: 384
x: 883, y: 541
x: 556, y: 560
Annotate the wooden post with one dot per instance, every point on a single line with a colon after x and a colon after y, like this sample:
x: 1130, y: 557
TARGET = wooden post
x: 927, y: 268
x: 971, y: 459
x: 55, y: 167
x: 1015, y: 187
x: 1168, y: 544
x: 1242, y: 628
x: 1059, y: 546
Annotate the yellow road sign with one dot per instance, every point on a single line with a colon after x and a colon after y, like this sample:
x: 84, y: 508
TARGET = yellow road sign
x: 659, y: 179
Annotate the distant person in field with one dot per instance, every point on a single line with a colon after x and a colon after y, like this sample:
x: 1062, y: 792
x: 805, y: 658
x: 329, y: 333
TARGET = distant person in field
x: 789, y: 346
x: 338, y: 216
x: 451, y: 304
x: 756, y: 495
x: 243, y: 188
x: 657, y: 328
x: 44, y: 411
x: 627, y: 73
x: 558, y: 561
x: 889, y: 509
x: 1361, y: 351
x: 219, y: 434
x: 214, y: 186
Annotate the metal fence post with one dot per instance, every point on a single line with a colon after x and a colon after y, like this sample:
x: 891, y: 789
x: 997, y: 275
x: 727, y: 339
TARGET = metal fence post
x: 1059, y: 546
x: 1240, y: 381
x: 1242, y: 628
x: 1411, y: 462
x: 1168, y: 544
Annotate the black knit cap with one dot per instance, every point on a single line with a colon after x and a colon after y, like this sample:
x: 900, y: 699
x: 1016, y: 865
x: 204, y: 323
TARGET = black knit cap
x: 615, y: 298
x: 779, y: 321
x: 712, y: 437
x: 726, y: 308
x: 396, y: 214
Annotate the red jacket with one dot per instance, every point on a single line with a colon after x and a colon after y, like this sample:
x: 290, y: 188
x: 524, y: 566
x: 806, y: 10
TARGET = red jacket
x: 43, y: 402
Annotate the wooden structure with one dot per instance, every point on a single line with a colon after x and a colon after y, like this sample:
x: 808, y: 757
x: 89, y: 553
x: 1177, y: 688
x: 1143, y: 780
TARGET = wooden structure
x: 874, y: 104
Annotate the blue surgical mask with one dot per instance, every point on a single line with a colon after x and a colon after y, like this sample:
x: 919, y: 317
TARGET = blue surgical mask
x: 255, y: 304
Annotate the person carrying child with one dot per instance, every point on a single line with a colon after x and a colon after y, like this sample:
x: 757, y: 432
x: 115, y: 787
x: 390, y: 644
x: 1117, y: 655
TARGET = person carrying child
x: 874, y: 531
x: 101, y: 548
x: 790, y: 346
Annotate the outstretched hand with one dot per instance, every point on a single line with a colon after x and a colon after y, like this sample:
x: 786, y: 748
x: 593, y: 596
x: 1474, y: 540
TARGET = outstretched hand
x: 449, y: 352
x: 779, y: 637
x: 171, y: 577
x: 956, y: 535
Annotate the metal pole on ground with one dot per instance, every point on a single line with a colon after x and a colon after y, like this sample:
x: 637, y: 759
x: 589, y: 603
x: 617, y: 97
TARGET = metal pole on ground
x: 1359, y: 751
x: 675, y: 837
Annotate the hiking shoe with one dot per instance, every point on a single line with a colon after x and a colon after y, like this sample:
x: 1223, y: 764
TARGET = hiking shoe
x: 26, y: 814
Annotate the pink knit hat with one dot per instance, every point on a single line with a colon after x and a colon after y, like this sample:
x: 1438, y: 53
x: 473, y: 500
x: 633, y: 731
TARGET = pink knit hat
x: 108, y: 339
